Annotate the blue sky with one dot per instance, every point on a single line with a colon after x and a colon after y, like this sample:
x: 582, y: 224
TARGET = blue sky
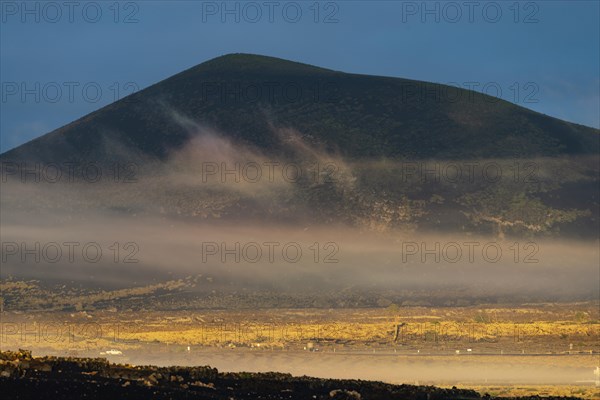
x: 61, y: 61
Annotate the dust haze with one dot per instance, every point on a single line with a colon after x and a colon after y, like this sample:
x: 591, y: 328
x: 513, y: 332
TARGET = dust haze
x: 171, y: 221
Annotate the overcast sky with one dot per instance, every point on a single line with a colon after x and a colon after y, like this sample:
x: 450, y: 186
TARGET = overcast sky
x: 61, y: 60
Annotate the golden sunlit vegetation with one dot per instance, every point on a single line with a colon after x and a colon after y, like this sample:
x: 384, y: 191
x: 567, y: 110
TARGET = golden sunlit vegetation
x: 544, y: 329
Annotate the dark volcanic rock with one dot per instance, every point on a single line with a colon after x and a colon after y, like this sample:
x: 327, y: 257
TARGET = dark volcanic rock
x: 24, y: 377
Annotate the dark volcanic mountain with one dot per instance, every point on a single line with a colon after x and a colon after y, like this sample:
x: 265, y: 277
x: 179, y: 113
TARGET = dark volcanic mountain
x: 248, y: 150
x: 379, y: 153
x: 358, y: 116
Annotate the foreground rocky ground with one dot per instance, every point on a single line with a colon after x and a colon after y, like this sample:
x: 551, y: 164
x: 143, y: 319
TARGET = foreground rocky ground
x: 25, y: 377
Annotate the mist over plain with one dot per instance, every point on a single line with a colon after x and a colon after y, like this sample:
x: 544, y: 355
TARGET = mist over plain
x: 231, y: 212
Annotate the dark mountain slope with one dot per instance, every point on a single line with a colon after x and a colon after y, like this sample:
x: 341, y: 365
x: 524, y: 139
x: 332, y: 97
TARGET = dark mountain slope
x: 358, y: 116
x: 247, y: 108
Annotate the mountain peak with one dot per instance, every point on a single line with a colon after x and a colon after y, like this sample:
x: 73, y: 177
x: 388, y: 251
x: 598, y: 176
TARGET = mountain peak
x: 257, y: 62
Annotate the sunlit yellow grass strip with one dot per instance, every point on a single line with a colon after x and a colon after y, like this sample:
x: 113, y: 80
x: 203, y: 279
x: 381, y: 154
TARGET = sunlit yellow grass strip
x: 264, y: 332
